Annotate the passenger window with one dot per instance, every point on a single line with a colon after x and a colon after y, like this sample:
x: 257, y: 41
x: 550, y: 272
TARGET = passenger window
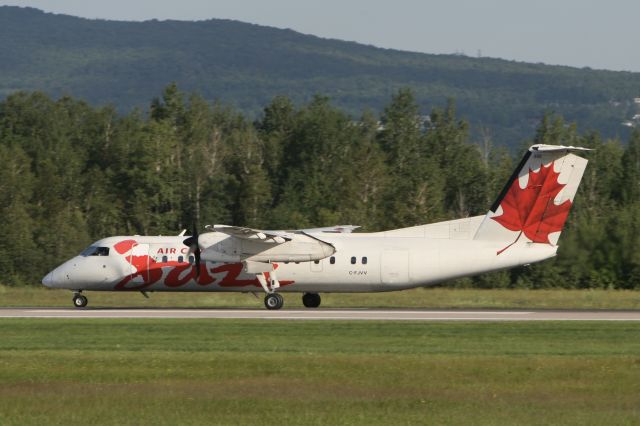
x: 353, y: 260
x: 364, y: 260
x: 332, y: 260
x: 180, y: 259
x: 164, y: 259
x: 316, y: 262
x: 192, y: 260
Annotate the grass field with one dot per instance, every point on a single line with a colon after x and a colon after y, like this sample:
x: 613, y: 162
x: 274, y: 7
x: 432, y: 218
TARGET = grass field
x: 417, y: 298
x: 168, y: 372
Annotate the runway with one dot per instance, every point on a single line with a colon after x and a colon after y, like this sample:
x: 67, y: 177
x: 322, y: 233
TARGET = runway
x: 327, y: 314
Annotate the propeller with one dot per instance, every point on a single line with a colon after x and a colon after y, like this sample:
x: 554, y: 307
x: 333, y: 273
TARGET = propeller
x: 194, y: 247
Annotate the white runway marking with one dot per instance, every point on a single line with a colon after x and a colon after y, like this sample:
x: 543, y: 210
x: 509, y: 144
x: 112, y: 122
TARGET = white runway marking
x: 328, y: 314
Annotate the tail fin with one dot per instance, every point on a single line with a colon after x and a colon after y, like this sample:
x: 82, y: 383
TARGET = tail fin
x: 535, y: 202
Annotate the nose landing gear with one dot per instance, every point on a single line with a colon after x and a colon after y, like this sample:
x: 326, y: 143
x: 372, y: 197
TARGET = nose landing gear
x: 79, y: 301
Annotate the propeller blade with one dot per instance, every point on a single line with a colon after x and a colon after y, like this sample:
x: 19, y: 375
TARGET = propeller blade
x: 194, y: 247
x: 197, y: 256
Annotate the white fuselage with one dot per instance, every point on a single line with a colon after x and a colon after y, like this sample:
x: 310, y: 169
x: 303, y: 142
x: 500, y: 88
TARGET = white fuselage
x: 362, y: 262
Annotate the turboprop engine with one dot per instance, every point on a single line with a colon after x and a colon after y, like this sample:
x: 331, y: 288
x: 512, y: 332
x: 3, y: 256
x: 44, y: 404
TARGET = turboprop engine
x: 286, y: 247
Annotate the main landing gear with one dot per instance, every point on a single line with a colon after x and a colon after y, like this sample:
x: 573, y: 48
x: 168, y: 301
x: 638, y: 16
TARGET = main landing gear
x: 273, y: 301
x: 311, y: 300
x: 266, y: 275
x: 79, y: 301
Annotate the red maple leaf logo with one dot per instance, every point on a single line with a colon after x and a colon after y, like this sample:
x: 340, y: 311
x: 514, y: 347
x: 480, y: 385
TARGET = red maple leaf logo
x: 532, y: 210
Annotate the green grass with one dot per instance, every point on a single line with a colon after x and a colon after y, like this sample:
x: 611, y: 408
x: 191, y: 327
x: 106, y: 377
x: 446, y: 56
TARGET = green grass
x: 418, y: 298
x: 167, y: 372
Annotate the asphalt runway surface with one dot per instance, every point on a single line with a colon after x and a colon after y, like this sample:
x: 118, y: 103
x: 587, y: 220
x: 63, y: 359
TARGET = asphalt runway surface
x: 328, y: 314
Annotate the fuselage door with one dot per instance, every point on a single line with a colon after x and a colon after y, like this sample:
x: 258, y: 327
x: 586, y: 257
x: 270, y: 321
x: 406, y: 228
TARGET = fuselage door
x: 139, y: 260
x: 394, y: 268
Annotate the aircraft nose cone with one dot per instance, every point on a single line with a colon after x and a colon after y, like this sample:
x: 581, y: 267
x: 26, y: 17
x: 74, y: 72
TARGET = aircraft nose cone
x: 48, y: 280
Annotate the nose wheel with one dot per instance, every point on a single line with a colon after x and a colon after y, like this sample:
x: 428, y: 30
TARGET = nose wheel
x: 273, y: 301
x: 79, y: 301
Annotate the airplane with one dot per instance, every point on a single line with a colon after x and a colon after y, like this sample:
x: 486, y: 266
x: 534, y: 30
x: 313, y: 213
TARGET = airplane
x: 521, y: 227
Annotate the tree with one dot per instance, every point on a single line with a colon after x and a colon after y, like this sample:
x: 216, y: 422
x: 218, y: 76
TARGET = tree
x: 461, y: 163
x: 631, y: 169
x: 414, y: 194
x: 252, y: 199
x: 17, y: 248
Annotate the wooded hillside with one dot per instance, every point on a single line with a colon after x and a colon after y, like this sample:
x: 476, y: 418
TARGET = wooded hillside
x: 125, y: 64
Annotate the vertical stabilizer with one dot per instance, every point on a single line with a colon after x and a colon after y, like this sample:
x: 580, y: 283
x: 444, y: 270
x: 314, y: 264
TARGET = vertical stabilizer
x: 535, y: 202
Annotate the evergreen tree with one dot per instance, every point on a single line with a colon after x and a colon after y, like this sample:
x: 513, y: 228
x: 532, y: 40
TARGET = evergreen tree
x: 414, y: 194
x: 630, y: 185
x: 461, y: 163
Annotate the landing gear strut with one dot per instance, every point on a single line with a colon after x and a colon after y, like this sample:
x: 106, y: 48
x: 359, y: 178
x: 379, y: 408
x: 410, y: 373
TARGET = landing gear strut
x: 311, y: 300
x: 79, y: 301
x: 273, y: 301
x: 266, y: 275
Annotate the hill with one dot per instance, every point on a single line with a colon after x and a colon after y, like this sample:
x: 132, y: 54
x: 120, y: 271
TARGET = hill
x: 128, y: 63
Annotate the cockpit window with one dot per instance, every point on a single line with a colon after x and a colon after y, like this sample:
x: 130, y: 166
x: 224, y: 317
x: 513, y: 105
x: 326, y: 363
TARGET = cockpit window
x: 88, y: 251
x: 96, y: 251
x: 102, y: 251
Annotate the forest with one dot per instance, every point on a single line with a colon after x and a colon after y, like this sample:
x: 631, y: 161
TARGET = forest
x: 71, y: 173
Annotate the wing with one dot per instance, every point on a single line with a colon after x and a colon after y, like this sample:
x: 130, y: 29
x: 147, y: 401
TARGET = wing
x: 338, y: 229
x: 247, y: 244
x: 270, y: 237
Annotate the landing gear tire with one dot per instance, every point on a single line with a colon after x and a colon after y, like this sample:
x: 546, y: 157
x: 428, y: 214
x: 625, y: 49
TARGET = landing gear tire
x: 311, y: 300
x: 79, y: 301
x: 273, y: 301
